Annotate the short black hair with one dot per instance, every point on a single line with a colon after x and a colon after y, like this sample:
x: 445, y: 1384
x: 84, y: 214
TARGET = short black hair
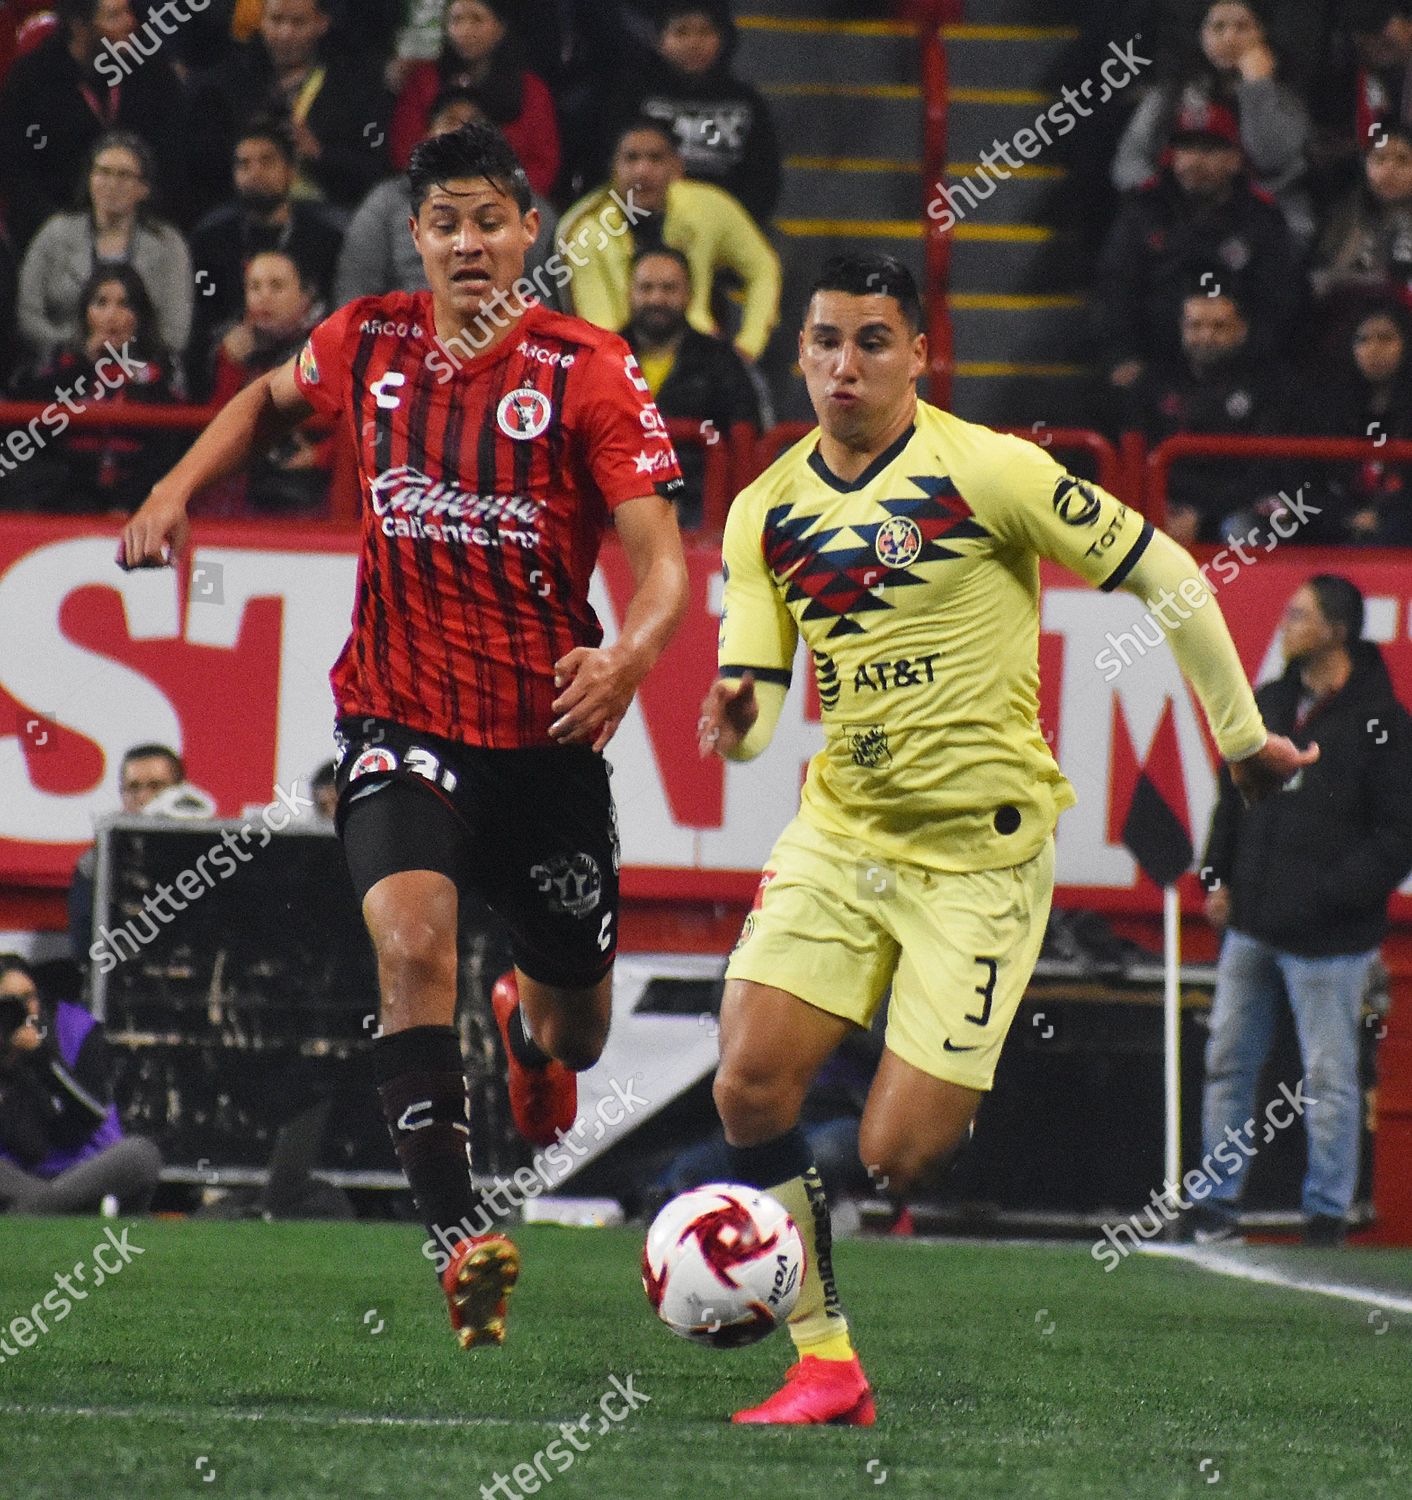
x: 73, y: 13
x: 474, y: 150
x: 1340, y: 603
x: 863, y: 275
x: 326, y: 775
x: 647, y: 122
x: 670, y: 251
x: 268, y: 128
x: 144, y: 752
x: 1214, y: 288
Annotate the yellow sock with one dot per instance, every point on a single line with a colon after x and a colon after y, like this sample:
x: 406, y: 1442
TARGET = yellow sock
x: 817, y: 1324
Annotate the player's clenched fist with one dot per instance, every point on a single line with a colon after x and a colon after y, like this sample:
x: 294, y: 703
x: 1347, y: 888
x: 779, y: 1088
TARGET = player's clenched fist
x: 728, y: 713
x: 156, y: 533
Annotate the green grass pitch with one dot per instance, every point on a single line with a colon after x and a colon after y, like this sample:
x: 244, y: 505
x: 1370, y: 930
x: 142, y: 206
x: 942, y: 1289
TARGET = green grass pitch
x: 297, y: 1360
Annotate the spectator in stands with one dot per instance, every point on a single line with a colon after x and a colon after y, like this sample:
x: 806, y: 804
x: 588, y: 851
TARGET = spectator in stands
x: 481, y: 52
x: 723, y: 126
x: 62, y: 1150
x: 291, y: 479
x: 704, y: 222
x: 1366, y: 250
x: 146, y: 773
x: 58, y: 100
x: 378, y: 251
x: 118, y: 359
x: 1218, y: 386
x: 263, y: 217
x: 691, y: 375
x: 1299, y: 883
x: 1371, y: 396
x: 1199, y: 216
x: 114, y: 227
x: 325, y: 794
x: 335, y: 105
x: 1236, y: 68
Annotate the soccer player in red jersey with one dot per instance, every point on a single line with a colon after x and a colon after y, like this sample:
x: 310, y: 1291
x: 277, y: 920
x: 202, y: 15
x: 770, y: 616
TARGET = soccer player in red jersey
x: 495, y: 439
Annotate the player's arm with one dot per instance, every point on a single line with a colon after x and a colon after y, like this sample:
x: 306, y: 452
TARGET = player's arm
x: 1030, y: 499
x: 252, y: 421
x: 599, y: 683
x: 757, y: 642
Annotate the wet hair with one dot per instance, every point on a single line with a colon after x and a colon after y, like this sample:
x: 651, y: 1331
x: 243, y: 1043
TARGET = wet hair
x: 1340, y: 603
x: 473, y: 150
x: 864, y: 275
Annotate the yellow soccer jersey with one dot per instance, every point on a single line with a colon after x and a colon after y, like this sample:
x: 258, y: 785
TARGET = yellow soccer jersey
x: 916, y: 588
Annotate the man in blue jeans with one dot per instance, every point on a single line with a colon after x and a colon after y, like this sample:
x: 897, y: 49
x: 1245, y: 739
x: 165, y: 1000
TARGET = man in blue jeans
x: 1300, y: 883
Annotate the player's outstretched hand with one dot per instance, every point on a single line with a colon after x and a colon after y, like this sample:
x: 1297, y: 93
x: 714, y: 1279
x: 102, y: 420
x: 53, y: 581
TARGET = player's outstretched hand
x: 156, y: 534
x: 1270, y: 767
x: 597, y: 684
x: 727, y: 713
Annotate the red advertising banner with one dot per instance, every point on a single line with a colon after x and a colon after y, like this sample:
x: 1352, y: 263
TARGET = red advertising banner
x: 226, y: 659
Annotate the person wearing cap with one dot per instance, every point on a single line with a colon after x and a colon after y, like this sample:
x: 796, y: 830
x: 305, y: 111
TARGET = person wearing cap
x: 1199, y: 217
x: 1236, y: 68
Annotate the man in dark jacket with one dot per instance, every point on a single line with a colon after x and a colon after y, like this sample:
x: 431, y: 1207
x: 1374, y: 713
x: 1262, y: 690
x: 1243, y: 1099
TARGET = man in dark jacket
x: 61, y: 1147
x: 336, y: 107
x: 79, y: 82
x: 1301, y: 882
x: 1198, y: 218
x: 691, y: 375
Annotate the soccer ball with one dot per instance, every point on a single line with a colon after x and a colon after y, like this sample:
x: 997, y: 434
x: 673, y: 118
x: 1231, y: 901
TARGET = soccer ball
x: 723, y: 1265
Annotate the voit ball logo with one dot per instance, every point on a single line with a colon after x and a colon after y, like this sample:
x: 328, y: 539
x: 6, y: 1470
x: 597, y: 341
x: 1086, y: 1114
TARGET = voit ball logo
x: 899, y: 541
x: 524, y: 413
x: 370, y: 762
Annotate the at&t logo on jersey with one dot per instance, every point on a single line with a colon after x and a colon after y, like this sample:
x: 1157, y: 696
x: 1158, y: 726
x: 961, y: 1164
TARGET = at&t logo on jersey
x: 524, y: 413
x: 899, y: 542
x: 373, y: 761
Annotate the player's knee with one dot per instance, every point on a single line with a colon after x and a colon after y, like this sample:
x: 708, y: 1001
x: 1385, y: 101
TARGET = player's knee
x: 753, y: 1103
x: 414, y: 953
x: 896, y: 1165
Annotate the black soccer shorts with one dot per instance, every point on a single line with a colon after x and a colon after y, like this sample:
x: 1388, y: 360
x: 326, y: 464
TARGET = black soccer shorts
x: 533, y: 832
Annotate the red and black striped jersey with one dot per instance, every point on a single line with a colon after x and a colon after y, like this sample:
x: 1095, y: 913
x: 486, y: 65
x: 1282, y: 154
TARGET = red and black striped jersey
x: 486, y: 482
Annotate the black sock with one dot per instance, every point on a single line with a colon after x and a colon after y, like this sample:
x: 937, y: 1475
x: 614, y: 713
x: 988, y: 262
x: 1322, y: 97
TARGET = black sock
x: 528, y: 1053
x: 422, y: 1085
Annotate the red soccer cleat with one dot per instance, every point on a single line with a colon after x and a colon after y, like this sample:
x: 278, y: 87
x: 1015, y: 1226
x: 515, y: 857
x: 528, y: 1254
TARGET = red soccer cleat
x: 819, y: 1390
x: 544, y: 1101
x: 478, y: 1283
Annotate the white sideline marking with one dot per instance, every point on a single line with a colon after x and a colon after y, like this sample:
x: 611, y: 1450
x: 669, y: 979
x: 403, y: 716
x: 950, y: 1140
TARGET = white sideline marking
x: 229, y: 1414
x: 1225, y: 1263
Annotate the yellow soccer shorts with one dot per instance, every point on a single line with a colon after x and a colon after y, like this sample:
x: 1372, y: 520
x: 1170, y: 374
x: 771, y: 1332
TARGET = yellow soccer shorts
x: 837, y: 927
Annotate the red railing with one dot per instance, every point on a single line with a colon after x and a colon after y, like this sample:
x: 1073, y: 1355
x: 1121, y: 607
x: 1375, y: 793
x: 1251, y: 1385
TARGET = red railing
x: 936, y: 105
x: 1159, y: 460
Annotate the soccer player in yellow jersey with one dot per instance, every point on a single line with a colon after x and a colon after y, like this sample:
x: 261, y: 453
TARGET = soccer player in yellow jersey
x: 903, y: 544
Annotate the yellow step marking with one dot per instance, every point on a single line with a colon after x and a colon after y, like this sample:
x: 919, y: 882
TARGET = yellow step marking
x: 1012, y: 302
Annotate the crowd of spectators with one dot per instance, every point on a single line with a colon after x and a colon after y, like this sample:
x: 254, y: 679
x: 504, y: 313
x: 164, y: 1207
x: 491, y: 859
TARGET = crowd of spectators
x: 1257, y: 277
x: 198, y: 188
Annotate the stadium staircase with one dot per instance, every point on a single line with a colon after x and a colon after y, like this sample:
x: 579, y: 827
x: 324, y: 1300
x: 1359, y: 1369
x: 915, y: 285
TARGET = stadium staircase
x: 848, y: 105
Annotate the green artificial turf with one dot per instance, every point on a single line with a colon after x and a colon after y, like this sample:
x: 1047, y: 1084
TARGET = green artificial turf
x: 1000, y: 1371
